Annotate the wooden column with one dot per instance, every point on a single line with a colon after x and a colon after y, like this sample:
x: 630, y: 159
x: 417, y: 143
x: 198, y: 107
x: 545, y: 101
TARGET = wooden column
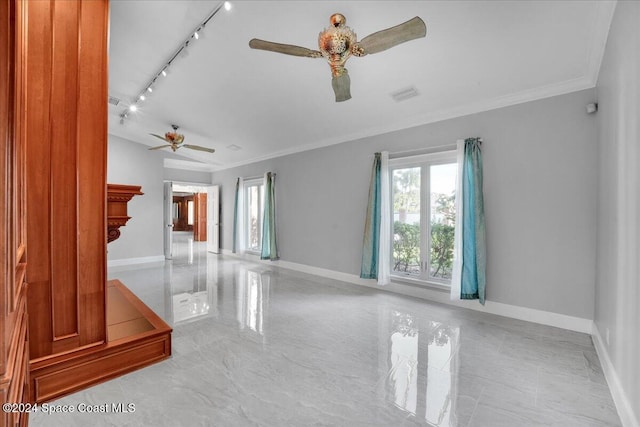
x: 65, y: 134
x: 66, y: 142
x: 53, y: 219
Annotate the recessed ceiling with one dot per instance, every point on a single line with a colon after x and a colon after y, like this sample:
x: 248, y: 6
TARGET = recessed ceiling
x: 477, y: 55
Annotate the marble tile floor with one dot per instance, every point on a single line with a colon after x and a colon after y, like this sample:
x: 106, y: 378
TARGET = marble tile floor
x: 257, y: 345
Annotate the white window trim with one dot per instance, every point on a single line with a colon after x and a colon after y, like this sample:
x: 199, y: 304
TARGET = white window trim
x: 441, y: 157
x: 251, y: 183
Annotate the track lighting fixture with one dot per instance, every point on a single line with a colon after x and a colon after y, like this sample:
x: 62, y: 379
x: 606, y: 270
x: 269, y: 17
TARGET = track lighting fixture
x: 195, y: 34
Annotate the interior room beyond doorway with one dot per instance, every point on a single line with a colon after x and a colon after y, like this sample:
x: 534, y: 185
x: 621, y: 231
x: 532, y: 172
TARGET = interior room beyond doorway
x: 190, y: 210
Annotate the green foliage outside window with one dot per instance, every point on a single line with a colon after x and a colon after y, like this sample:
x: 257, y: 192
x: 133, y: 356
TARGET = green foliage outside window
x: 441, y: 250
x: 406, y: 240
x: 406, y: 247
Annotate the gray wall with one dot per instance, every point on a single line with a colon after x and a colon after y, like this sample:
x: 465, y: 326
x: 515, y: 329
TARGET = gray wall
x: 617, y: 303
x: 540, y: 176
x: 182, y: 175
x: 133, y: 164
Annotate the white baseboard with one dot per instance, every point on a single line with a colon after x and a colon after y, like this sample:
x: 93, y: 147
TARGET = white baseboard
x: 516, y: 312
x: 132, y: 261
x: 625, y: 411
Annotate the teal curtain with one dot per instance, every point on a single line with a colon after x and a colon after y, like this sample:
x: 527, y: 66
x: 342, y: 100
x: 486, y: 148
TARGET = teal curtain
x: 371, y: 242
x: 269, y: 245
x: 473, y: 279
x: 235, y: 217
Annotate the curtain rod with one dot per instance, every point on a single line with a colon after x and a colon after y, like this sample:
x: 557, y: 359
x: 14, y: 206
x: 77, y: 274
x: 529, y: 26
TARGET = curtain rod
x: 426, y: 150
x: 462, y: 140
x: 421, y: 150
x: 257, y: 177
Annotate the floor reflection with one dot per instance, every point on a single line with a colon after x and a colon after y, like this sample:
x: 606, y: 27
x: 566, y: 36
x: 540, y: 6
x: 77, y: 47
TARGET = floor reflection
x: 441, y: 380
x: 252, y: 299
x: 420, y: 365
x: 192, y: 281
x: 402, y: 381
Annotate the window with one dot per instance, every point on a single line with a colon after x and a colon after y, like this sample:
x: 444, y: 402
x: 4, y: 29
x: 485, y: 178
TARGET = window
x: 189, y: 212
x: 176, y: 210
x: 423, y: 204
x: 254, y: 196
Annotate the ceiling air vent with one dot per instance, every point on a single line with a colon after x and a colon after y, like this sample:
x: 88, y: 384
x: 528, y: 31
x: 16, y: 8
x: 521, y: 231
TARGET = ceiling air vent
x: 404, y: 94
x: 113, y: 100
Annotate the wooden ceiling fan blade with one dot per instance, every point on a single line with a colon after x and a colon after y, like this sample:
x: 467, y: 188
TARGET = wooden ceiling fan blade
x: 158, y: 136
x: 287, y: 49
x: 342, y: 86
x: 159, y: 147
x: 382, y: 40
x: 199, y: 148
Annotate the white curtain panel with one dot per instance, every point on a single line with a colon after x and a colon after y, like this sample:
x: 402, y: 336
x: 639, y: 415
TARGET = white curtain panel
x: 384, y: 250
x: 456, y: 274
x: 241, y: 219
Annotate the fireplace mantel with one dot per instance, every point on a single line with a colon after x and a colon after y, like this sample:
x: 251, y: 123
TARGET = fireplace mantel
x: 118, y: 196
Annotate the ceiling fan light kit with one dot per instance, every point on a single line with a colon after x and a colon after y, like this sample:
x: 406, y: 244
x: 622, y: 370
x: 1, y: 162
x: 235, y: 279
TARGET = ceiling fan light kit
x: 338, y: 43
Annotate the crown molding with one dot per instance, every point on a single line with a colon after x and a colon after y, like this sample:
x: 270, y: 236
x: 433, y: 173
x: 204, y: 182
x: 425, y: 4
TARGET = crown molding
x: 600, y: 33
x: 548, y: 91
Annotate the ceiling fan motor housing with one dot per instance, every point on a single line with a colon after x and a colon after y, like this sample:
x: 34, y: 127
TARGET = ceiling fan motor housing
x: 336, y: 43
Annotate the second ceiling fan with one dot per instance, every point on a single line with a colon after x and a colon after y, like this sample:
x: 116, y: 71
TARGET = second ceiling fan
x: 174, y: 140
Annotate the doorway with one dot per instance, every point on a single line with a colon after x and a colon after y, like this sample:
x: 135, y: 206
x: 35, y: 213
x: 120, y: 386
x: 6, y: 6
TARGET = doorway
x: 193, y: 210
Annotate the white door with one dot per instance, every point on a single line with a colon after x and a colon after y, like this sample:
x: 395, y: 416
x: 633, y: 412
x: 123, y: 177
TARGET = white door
x: 168, y: 219
x: 213, y: 219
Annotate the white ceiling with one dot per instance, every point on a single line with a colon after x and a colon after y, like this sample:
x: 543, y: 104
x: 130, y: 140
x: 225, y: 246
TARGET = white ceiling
x: 477, y: 55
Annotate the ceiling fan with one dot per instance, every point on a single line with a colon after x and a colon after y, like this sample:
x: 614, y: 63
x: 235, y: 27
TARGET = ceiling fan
x: 175, y: 140
x: 338, y: 42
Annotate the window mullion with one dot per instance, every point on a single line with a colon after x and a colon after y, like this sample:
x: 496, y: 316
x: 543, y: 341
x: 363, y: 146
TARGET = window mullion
x: 260, y: 217
x: 425, y: 220
x: 247, y: 218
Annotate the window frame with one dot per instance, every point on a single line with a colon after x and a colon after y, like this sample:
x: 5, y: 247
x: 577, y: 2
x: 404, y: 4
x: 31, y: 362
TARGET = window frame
x: 424, y: 162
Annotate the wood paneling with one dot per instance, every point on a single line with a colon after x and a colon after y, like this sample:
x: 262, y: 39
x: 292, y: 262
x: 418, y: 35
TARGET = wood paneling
x: 62, y: 141
x: 200, y: 217
x: 66, y: 96
x: 14, y: 351
x: 92, y: 169
x: 60, y: 380
x: 37, y: 120
x: 142, y: 338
